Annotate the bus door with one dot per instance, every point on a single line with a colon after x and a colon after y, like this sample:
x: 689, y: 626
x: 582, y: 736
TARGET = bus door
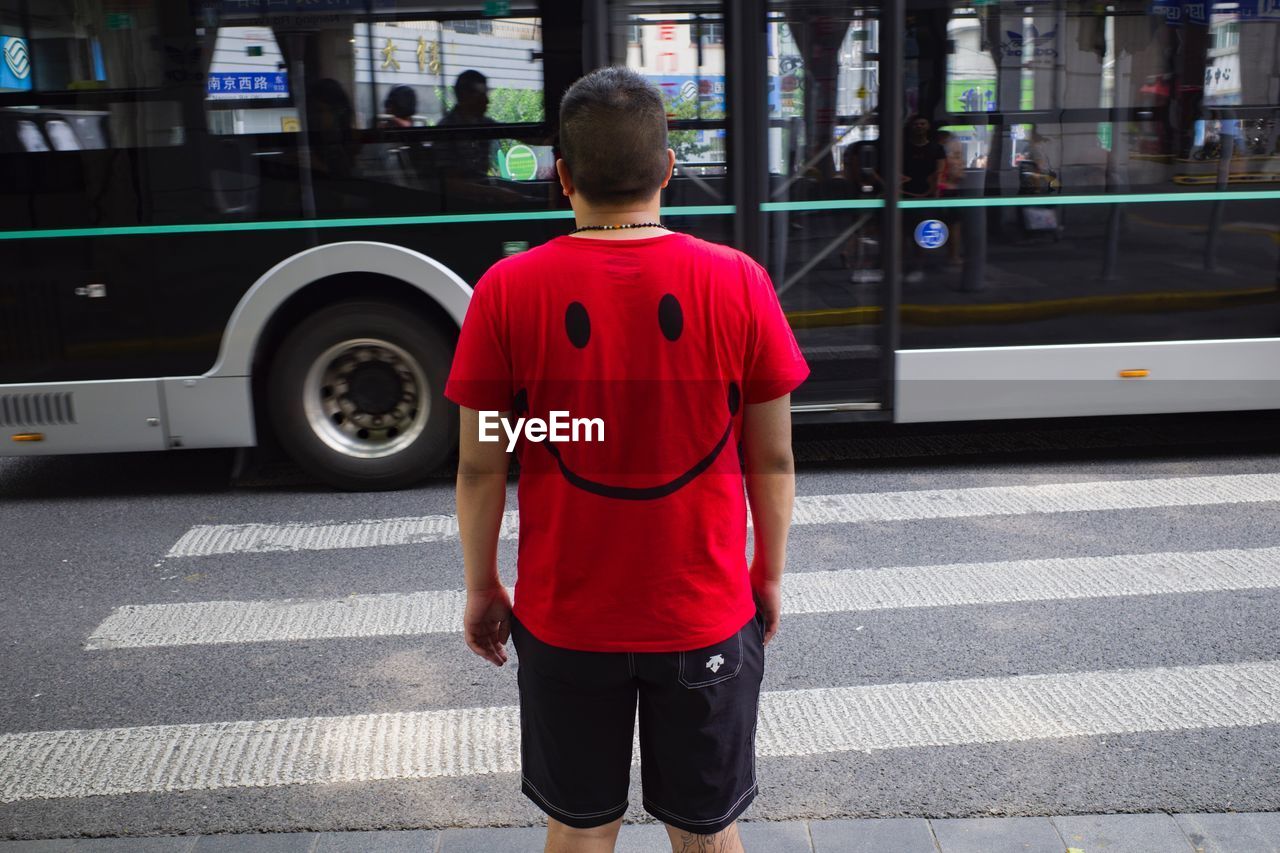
x: 823, y: 204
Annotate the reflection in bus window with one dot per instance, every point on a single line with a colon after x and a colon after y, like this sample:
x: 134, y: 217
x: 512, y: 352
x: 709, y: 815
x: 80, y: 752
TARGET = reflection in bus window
x: 247, y: 85
x: 61, y: 45
x: 682, y: 53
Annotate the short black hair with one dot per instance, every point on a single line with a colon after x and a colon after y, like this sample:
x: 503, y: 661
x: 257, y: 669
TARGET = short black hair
x: 613, y: 136
x: 402, y: 102
x: 469, y: 79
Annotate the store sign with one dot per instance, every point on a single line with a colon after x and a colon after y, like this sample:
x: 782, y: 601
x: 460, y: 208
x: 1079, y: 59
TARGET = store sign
x: 1030, y: 44
x: 1176, y: 12
x: 15, y: 70
x: 1258, y: 10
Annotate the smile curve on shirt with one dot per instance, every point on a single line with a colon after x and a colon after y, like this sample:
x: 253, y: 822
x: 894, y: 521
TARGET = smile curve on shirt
x: 649, y: 493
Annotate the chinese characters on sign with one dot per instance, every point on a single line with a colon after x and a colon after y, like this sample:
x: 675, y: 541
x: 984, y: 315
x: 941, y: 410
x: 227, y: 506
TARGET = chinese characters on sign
x: 234, y: 85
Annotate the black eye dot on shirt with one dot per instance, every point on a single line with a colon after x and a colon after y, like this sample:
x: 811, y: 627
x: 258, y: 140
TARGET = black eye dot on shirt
x: 577, y: 324
x: 735, y: 398
x: 670, y: 317
x: 520, y: 403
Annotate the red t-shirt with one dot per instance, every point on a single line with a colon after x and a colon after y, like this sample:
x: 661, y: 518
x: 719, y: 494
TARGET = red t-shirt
x: 637, y: 542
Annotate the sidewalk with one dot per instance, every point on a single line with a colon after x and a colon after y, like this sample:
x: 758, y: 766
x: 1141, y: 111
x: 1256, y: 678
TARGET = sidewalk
x: 1140, y: 833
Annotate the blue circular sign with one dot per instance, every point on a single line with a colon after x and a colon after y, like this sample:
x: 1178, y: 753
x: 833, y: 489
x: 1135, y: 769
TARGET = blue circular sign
x: 931, y: 233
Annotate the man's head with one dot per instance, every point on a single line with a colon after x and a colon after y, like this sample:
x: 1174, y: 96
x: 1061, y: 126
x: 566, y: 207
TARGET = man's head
x: 402, y: 102
x: 613, y: 138
x: 918, y: 127
x: 472, y: 91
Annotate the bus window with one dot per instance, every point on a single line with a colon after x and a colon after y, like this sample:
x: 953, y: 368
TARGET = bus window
x: 85, y: 51
x: 33, y: 128
x: 60, y: 45
x: 1067, y: 129
x: 398, y: 107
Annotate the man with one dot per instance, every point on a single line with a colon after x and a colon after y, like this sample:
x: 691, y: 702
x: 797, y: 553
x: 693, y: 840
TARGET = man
x: 924, y: 162
x: 632, y: 585
x: 469, y: 159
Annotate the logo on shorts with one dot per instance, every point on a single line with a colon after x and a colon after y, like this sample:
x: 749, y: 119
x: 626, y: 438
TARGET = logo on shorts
x: 715, y: 662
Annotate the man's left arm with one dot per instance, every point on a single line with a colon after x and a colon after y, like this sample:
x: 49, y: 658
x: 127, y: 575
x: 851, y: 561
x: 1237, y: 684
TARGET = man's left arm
x: 481, y: 496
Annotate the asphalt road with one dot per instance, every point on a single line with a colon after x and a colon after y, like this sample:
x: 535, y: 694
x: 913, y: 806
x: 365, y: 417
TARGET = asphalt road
x: 84, y: 536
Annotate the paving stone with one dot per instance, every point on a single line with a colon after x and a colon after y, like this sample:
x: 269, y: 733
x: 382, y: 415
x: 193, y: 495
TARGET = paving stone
x: 528, y: 839
x: 161, y: 844
x: 405, y: 841
x: 1122, y: 833
x: 997, y: 835
x: 166, y: 844
x: 901, y: 835
x: 267, y: 842
x: 1232, y: 833
x: 764, y: 836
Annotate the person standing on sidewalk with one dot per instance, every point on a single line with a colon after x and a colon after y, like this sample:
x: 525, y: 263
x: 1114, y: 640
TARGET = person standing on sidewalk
x: 632, y: 585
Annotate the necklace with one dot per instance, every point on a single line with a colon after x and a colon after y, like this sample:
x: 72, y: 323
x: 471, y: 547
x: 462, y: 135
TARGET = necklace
x: 619, y: 227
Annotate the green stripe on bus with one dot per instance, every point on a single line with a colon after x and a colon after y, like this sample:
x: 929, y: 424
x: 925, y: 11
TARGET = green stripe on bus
x: 830, y: 204
x: 678, y: 210
x: 1021, y: 201
x: 355, y: 222
x: 1113, y: 198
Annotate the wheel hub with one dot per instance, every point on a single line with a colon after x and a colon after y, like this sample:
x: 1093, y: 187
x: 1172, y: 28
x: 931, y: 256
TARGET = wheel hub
x: 374, y: 387
x: 366, y: 397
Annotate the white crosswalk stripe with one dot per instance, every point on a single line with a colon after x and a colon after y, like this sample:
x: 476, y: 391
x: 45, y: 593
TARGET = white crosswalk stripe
x: 473, y: 741
x: 140, y: 626
x: 205, y: 540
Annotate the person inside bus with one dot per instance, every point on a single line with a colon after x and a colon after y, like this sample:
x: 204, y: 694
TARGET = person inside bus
x: 632, y: 585
x: 401, y: 103
x: 924, y: 162
x: 465, y: 163
x: 470, y: 159
x: 860, y: 167
x: 949, y: 186
x: 331, y: 123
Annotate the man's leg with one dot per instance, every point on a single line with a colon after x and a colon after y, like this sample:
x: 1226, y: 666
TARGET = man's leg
x: 598, y: 839
x: 724, y: 841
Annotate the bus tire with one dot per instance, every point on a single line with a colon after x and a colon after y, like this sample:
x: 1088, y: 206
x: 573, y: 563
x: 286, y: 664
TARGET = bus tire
x: 355, y: 395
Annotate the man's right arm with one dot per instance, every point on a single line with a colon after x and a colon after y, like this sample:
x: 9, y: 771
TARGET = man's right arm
x: 771, y: 488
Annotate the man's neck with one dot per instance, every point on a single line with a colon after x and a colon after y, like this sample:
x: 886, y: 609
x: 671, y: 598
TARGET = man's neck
x: 586, y: 215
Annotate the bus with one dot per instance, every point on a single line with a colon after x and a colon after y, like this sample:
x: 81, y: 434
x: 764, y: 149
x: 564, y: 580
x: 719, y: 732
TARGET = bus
x: 222, y: 220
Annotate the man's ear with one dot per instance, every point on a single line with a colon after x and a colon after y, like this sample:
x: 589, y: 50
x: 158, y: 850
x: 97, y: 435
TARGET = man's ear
x: 566, y: 180
x: 671, y: 165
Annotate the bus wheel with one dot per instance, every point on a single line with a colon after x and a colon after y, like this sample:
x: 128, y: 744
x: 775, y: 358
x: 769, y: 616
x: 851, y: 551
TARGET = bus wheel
x: 356, y: 396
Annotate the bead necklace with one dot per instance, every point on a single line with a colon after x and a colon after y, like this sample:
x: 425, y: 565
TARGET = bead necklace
x: 619, y: 227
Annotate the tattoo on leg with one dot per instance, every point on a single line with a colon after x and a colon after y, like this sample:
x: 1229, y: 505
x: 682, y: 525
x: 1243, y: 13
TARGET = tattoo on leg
x: 725, y: 841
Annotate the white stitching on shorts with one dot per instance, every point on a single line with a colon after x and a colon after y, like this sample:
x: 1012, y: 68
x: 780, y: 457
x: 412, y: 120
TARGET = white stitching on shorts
x: 565, y: 812
x: 650, y: 804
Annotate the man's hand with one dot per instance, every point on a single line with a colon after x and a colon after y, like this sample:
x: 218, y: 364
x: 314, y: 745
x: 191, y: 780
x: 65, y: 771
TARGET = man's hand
x: 768, y: 596
x: 487, y: 623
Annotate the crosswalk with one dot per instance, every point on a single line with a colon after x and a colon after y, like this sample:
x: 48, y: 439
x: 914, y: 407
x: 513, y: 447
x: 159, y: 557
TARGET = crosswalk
x: 208, y: 539
x: 817, y: 720
x: 440, y: 611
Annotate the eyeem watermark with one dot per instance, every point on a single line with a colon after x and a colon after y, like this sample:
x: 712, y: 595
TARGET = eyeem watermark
x: 559, y: 428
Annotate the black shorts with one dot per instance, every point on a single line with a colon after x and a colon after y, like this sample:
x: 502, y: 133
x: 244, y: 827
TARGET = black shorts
x: 697, y: 714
